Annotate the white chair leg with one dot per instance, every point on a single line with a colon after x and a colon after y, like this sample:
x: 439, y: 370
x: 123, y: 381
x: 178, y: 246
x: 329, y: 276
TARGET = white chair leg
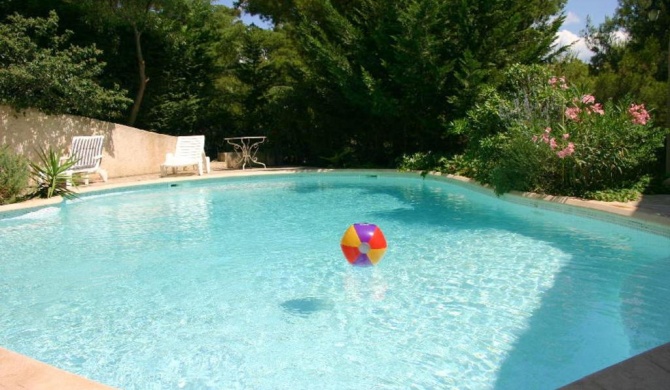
x: 68, y: 181
x: 103, y: 174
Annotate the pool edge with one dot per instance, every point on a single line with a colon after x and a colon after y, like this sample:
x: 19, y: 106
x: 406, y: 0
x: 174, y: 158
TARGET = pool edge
x: 18, y: 371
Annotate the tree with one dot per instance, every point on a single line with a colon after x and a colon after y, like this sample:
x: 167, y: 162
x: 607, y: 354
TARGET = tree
x: 388, y: 77
x: 639, y: 64
x: 183, y: 70
x: 40, y: 69
x: 140, y: 16
x: 631, y: 51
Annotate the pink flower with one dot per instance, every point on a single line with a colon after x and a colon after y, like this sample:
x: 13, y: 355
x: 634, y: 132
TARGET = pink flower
x: 588, y: 99
x: 547, y: 130
x: 567, y: 151
x: 566, y: 136
x: 560, y: 81
x: 534, y: 138
x: 552, y: 144
x: 639, y: 114
x: 598, y: 109
x: 572, y: 113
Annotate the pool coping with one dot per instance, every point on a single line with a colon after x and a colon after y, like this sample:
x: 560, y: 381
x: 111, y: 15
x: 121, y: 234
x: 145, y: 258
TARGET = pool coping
x: 19, y: 371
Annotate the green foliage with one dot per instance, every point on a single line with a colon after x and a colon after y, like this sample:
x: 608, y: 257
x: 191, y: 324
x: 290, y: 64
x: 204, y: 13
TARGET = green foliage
x: 387, y: 77
x: 458, y: 164
x: 623, y: 194
x: 636, y: 66
x: 381, y: 78
x: 50, y: 175
x: 518, y: 167
x: 538, y: 134
x: 620, y: 195
x: 342, y: 159
x: 40, y: 69
x: 178, y: 99
x: 418, y: 161
x: 14, y: 174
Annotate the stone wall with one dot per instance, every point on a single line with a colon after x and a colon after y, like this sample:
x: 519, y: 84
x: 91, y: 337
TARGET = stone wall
x: 127, y: 151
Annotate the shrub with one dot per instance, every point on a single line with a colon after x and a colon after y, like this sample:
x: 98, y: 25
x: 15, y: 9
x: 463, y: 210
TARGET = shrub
x: 418, y: 161
x: 537, y: 133
x: 14, y: 175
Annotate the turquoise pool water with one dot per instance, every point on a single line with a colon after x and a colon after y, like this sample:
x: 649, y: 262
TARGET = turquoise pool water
x: 240, y: 283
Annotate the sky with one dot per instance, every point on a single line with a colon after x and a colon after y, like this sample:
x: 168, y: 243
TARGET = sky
x: 576, y: 12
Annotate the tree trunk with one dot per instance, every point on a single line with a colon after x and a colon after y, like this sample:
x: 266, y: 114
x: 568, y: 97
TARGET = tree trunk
x: 142, y: 77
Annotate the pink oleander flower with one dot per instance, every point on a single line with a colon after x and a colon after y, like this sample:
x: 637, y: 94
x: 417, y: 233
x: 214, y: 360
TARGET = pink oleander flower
x: 597, y: 108
x: 588, y: 99
x: 567, y: 151
x: 566, y: 136
x: 639, y: 114
x: 552, y: 143
x: 534, y: 138
x: 545, y: 135
x: 572, y: 113
x: 562, y: 83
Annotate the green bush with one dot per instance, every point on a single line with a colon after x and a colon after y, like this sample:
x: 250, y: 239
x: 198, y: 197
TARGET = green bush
x: 537, y: 133
x: 418, y: 161
x: 14, y: 175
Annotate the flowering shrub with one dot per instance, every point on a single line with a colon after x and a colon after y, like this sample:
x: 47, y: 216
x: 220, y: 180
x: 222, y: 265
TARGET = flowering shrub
x: 562, y: 151
x: 639, y: 114
x: 537, y: 133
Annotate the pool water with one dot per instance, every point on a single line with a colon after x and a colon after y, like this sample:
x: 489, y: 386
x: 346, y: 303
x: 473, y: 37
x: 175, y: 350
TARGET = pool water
x: 241, y: 283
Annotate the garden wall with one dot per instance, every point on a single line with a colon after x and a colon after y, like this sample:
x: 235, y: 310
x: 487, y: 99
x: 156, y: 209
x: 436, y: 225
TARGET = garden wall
x: 127, y: 151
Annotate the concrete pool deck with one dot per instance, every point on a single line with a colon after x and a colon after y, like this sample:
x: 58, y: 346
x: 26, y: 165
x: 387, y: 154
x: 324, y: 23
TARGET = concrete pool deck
x: 650, y: 370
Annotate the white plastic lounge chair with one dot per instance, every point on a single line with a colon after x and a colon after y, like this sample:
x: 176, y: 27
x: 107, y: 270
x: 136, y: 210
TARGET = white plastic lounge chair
x: 87, y: 151
x: 190, y: 152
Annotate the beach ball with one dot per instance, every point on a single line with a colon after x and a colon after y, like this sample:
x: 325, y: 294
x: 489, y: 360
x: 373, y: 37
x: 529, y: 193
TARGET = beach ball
x: 363, y: 244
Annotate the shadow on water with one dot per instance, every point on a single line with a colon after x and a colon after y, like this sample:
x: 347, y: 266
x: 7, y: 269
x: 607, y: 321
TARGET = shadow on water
x: 304, y: 307
x: 599, y: 332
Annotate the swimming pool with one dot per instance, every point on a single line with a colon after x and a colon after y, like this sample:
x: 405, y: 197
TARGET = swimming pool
x: 240, y: 283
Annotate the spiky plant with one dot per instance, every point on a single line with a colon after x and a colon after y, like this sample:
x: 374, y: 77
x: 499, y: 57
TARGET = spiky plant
x: 50, y: 175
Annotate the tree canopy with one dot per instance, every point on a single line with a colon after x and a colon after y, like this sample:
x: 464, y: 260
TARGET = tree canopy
x: 40, y: 68
x: 334, y: 82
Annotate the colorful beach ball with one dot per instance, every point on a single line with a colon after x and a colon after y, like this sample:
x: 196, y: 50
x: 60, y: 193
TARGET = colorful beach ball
x: 363, y: 244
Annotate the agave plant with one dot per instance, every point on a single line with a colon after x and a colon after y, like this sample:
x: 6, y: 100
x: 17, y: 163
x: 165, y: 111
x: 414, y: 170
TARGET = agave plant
x: 50, y: 175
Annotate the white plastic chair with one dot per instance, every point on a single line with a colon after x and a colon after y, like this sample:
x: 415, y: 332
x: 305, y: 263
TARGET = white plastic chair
x: 87, y: 152
x: 189, y: 152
